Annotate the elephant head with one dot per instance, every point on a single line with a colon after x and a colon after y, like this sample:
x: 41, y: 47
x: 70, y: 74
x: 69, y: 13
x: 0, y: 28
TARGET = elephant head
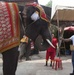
x: 37, y: 22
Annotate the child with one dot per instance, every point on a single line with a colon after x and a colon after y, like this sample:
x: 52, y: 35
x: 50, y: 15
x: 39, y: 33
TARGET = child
x: 51, y: 52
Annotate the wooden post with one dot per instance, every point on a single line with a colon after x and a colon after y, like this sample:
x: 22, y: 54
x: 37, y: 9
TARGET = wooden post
x: 59, y: 34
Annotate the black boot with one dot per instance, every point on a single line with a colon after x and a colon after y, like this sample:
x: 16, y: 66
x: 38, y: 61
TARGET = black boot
x: 46, y: 63
x: 51, y: 64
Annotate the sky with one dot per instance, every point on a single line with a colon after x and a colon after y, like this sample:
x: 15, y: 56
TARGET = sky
x: 56, y: 3
x: 43, y: 2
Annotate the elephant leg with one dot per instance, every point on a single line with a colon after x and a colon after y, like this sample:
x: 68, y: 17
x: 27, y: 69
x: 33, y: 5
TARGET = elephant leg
x: 20, y: 58
x: 22, y: 51
x: 10, y: 61
x: 28, y: 51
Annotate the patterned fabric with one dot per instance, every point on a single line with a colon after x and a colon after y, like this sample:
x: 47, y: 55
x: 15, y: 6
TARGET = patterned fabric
x: 42, y: 12
x: 9, y: 26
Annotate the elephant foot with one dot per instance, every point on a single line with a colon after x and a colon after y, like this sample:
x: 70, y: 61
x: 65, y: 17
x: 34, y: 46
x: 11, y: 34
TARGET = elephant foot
x: 20, y: 60
x: 28, y: 59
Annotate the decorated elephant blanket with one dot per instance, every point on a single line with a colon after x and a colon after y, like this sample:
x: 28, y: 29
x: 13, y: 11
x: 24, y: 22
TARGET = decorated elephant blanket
x: 42, y: 12
x: 9, y: 26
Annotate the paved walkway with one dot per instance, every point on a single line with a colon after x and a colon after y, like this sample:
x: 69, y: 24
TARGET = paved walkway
x: 36, y: 66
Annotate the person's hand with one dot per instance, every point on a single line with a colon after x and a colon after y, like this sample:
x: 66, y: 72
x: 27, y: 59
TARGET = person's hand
x: 61, y: 38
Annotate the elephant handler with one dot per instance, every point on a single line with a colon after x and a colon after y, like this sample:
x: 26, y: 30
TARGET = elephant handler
x: 67, y: 40
x: 51, y: 52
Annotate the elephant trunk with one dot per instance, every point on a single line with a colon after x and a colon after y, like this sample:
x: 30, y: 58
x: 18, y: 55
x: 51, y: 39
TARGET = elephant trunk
x: 50, y: 43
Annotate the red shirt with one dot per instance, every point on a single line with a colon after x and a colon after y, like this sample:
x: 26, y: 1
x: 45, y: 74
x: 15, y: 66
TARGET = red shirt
x: 54, y: 42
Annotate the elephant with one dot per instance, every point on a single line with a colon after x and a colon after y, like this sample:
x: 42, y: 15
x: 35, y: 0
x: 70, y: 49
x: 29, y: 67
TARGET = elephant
x: 36, y: 25
x: 10, y: 29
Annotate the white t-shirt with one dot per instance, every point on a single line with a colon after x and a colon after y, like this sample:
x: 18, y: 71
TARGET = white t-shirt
x: 72, y: 38
x: 35, y: 16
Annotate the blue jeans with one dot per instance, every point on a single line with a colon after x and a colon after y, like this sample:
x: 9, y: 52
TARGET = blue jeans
x: 73, y: 60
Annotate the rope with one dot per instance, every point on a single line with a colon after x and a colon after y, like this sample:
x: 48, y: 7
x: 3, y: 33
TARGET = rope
x: 25, y: 24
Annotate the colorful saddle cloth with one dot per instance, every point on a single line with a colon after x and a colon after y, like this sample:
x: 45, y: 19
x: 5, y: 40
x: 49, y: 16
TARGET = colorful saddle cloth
x: 42, y: 12
x: 9, y: 26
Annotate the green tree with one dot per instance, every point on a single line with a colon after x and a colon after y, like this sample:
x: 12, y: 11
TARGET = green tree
x: 49, y: 4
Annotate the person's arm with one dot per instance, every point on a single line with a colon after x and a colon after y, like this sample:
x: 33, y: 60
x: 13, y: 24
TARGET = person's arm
x: 57, y: 44
x: 66, y: 40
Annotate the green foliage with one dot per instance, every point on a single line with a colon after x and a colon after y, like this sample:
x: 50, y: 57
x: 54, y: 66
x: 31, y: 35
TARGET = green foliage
x: 54, y: 30
x: 49, y: 4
